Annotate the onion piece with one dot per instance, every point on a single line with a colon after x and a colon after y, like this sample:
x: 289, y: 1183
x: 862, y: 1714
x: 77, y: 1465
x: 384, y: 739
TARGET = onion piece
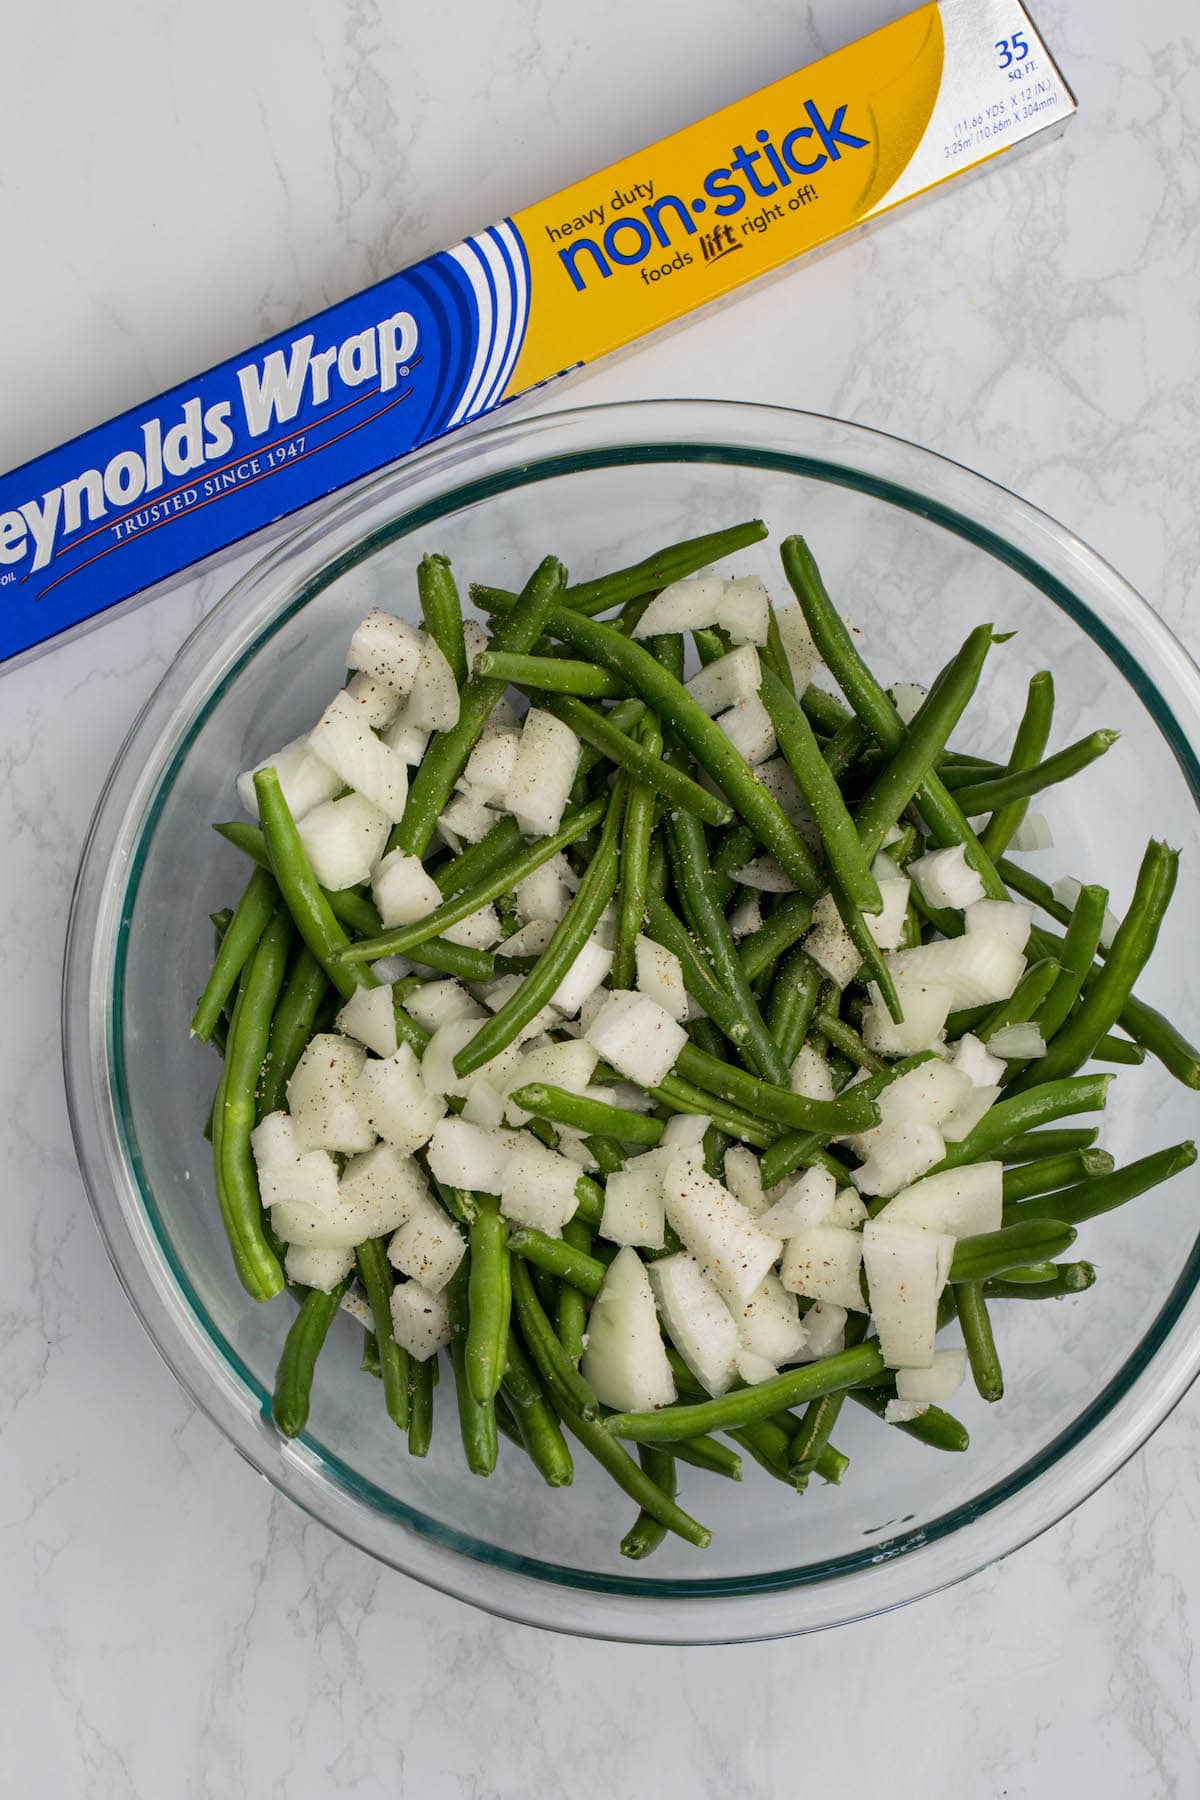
x: 624, y: 1359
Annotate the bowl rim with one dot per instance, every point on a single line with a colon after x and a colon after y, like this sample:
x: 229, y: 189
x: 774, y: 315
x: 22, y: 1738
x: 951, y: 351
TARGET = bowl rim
x: 476, y: 466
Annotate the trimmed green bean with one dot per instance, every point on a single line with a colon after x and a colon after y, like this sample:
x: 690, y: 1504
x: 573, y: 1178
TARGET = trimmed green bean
x: 302, y: 1346
x: 562, y: 1380
x: 636, y: 836
x: 570, y: 934
x: 1034, y: 1146
x: 709, y: 1454
x: 1098, y: 1194
x: 789, y: 920
x: 1112, y: 1049
x: 681, y: 1096
x: 1051, y: 1172
x: 853, y: 1111
x: 1020, y: 784
x: 566, y: 1108
x: 1069, y: 1278
x: 375, y: 1273
x: 625, y: 1472
x: 421, y: 1378
x: 671, y: 784
x: 441, y: 610
x: 303, y: 895
x: 1024, y: 1112
x: 570, y: 1317
x: 993, y: 1252
x: 743, y: 1406
x: 293, y: 1024
x: 462, y: 873
x: 1033, y: 734
x: 979, y: 1340
x: 238, y: 942
x: 1024, y: 1001
x: 794, y: 995
x: 489, y: 1300
x: 237, y: 1184
x: 939, y: 1430
x: 370, y: 1364
x: 535, y: 1419
x: 557, y: 1257
x: 646, y: 1533
x: 1077, y: 955
x: 406, y: 940
x: 551, y: 675
x: 476, y: 1418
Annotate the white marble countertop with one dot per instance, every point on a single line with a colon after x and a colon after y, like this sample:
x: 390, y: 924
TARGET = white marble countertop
x: 178, y: 180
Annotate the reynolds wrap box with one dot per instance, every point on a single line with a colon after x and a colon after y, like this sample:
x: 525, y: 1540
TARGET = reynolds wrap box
x: 597, y: 266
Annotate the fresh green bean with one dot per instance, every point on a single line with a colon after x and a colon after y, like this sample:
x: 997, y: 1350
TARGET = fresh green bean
x: 1098, y: 1194
x: 646, y: 577
x: 709, y: 1454
x: 566, y: 1108
x: 570, y: 934
x: 723, y: 1006
x: 742, y: 1406
x: 924, y: 740
x: 939, y: 1430
x: 979, y: 1340
x: 646, y: 1533
x: 292, y: 1026
x: 405, y: 940
x: 1114, y: 1049
x: 1078, y: 953
x: 375, y: 1273
x: 668, y: 698
x: 1024, y: 1001
x: 551, y: 675
x: 476, y: 1418
x: 570, y: 1318
x: 1051, y: 1172
x: 250, y: 920
x: 636, y: 835
x: 775, y: 654
x: 302, y: 894
x: 790, y: 918
x: 1069, y: 1278
x: 767, y: 1443
x: 849, y: 858
x: 446, y: 757
x: 799, y: 1149
x: 1033, y: 734
x: 625, y: 1472
x: 851, y: 1112
x: 441, y: 610
x: 993, y: 1252
x: 1035, y: 1146
x: 557, y: 1257
x: 681, y: 1096
x: 370, y: 1364
x: 1019, y: 784
x: 302, y: 1346
x: 462, y: 873
x: 421, y: 1378
x: 562, y: 1380
x: 793, y: 1001
x: 489, y: 1300
x: 670, y: 784
x: 237, y: 1184
x: 1024, y: 1112
x: 843, y: 1037
x: 535, y: 1419
x: 1104, y: 999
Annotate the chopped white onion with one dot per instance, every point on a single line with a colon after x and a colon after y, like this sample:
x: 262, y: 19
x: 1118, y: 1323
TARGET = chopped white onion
x: 429, y: 1246
x: 747, y: 725
x: 323, y: 1096
x: 1033, y: 833
x: 313, y: 1268
x: 1017, y: 1042
x: 945, y: 878
x: 806, y: 1202
x: 386, y: 648
x: 963, y: 1202
x: 397, y: 1101
x: 696, y: 1319
x: 440, y: 1002
x: 624, y: 1359
x: 732, y: 1248
x: 939, y: 1382
x: 743, y: 1178
x: 420, y: 1319
x: 727, y: 680
x: 634, y: 1212
x: 825, y: 1329
x: 370, y: 1016
x: 305, y: 780
x: 973, y: 1059
x: 887, y: 927
x: 539, y: 1186
x: 744, y: 610
x: 822, y: 1262
x: 1010, y: 920
x: 660, y: 976
x: 437, y: 1061
x: 908, y: 697
x: 746, y: 917
x: 377, y: 703
x: 465, y: 820
x: 830, y: 945
x: 402, y: 890
x: 463, y: 1155
x: 765, y: 875
x: 343, y: 739
x: 546, y: 893
x: 489, y: 769
x: 409, y: 741
x: 636, y: 1037
x: 810, y: 1075
x: 588, y: 972
x: 543, y: 773
x: 286, y: 1171
x: 770, y: 1325
x: 683, y: 606
x: 479, y: 930
x: 804, y: 659
x: 926, y: 1006
x: 906, y: 1268
x: 433, y: 703
x: 343, y: 839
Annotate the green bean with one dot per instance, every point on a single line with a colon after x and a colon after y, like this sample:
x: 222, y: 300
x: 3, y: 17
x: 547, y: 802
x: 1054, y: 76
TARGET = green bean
x: 723, y: 1006
x: 993, y: 1252
x: 476, y: 1419
x: 742, y: 1406
x: 535, y: 1419
x: 1033, y: 734
x: 924, y: 740
x: 811, y: 1437
x: 671, y: 784
x: 798, y: 1149
x: 489, y: 1300
x: 979, y: 1340
x: 774, y: 653
x: 1019, y: 784
x: 405, y: 940
x: 1112, y: 1049
x: 668, y: 697
x: 1023, y: 1112
x: 564, y: 1383
x: 1098, y: 1194
x: 302, y: 1346
x: 793, y: 1001
x: 238, y: 942
x: 446, y: 757
x: 790, y: 918
x: 645, y: 577
x: 421, y: 1376
x: 557, y: 1257
x: 1104, y: 999
x: 302, y: 895
x: 682, y: 1097
x: 291, y: 1027
x: 607, y: 1154
x: 768, y: 1445
x: 375, y: 1273
x: 646, y: 1533
x: 370, y: 1364
x: 709, y: 1454
x: 1031, y: 1274
x: 1023, y: 1003
x: 506, y: 1425
x: 845, y: 748
x: 566, y: 1108
x: 852, y: 1112
x: 600, y: 1444
x: 462, y: 873
x: 849, y: 859
x: 1077, y: 956
x: 636, y: 836
x: 1035, y: 1146
x: 407, y: 1030
x: 570, y: 934
x: 570, y: 1318
x: 736, y: 848
x: 843, y: 1037
x: 441, y: 611
x: 237, y: 1184
x: 939, y: 1430
x: 1069, y: 1278
x: 589, y: 1198
x: 1051, y: 1172
x: 551, y: 675
x: 942, y: 815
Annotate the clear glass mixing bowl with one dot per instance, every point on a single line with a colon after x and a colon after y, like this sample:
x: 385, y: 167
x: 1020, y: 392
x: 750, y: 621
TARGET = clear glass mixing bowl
x: 916, y: 550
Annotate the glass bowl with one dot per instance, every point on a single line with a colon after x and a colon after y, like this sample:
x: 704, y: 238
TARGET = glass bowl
x: 916, y: 550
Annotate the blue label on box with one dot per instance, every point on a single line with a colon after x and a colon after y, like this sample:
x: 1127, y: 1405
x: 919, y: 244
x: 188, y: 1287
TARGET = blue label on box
x: 166, y: 484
